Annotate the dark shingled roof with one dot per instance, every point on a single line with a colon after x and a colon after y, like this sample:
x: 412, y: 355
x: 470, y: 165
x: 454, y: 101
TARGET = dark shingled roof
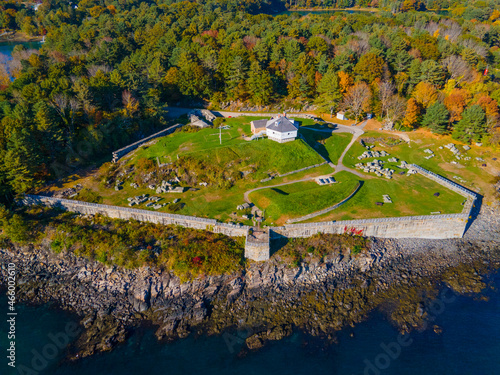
x: 259, y: 124
x: 281, y: 124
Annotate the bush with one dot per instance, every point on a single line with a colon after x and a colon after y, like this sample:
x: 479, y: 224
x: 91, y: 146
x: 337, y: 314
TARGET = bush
x: 356, y: 249
x: 145, y: 165
x: 218, y: 121
x: 132, y: 244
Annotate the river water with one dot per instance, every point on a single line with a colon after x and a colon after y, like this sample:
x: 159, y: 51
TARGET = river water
x: 468, y: 344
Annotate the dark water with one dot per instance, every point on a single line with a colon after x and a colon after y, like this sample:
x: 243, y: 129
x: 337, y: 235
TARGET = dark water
x: 6, y: 48
x: 469, y: 344
x: 350, y: 11
x: 330, y: 11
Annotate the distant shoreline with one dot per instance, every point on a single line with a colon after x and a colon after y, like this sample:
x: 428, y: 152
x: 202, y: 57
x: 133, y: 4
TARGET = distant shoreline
x: 372, y: 10
x: 15, y: 36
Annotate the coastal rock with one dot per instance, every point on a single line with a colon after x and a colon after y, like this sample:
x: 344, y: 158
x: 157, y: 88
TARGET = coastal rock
x: 319, y: 296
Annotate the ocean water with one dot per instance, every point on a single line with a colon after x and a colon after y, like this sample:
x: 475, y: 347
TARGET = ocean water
x: 468, y: 344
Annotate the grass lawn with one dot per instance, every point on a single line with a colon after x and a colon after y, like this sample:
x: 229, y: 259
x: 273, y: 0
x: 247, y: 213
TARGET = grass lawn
x: 328, y: 145
x: 210, y: 201
x: 411, y: 195
x: 471, y: 172
x: 206, y: 139
x: 302, y: 198
x: 265, y: 155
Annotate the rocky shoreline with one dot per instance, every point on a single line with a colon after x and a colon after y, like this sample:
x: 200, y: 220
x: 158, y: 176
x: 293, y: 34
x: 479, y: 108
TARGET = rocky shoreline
x: 267, y: 300
x: 16, y: 36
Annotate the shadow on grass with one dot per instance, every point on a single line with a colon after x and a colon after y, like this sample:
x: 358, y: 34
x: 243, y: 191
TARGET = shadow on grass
x: 312, y: 139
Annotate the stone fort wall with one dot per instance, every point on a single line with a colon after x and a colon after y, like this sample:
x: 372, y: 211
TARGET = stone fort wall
x: 429, y: 226
x: 125, y: 213
x: 432, y: 226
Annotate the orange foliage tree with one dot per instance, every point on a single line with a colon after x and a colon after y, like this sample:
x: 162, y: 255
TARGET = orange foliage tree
x: 412, y: 113
x: 456, y: 103
x: 345, y: 81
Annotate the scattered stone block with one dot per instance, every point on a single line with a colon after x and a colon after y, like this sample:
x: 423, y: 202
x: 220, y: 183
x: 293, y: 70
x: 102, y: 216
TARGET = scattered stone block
x: 466, y: 148
x: 386, y: 198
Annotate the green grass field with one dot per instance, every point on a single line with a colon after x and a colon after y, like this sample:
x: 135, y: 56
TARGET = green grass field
x: 411, y: 196
x: 302, y: 198
x: 265, y: 155
x: 328, y: 145
x: 182, y: 142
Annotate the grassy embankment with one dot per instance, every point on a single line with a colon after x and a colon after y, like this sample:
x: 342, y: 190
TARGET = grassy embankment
x: 328, y: 145
x: 471, y: 173
x: 258, y: 159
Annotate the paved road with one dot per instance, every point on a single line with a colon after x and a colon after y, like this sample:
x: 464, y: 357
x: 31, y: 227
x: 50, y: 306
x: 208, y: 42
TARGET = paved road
x: 356, y: 131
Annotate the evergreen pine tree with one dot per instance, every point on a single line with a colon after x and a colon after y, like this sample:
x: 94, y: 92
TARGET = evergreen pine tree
x: 472, y: 126
x: 436, y: 118
x: 329, y: 90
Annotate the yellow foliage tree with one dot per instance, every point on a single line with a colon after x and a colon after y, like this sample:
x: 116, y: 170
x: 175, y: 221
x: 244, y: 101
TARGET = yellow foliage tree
x: 425, y: 94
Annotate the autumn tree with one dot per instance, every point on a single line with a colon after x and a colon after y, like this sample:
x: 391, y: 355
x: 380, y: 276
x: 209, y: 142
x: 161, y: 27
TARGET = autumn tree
x: 425, y: 94
x: 456, y: 103
x: 345, y: 81
x: 4, y: 77
x: 394, y: 111
x: 436, y: 118
x: 357, y: 100
x: 385, y: 93
x: 412, y: 113
x: 369, y: 67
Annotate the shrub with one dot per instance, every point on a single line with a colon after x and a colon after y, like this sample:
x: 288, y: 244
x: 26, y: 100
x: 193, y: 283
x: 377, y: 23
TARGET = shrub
x: 356, y: 249
x: 218, y: 121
